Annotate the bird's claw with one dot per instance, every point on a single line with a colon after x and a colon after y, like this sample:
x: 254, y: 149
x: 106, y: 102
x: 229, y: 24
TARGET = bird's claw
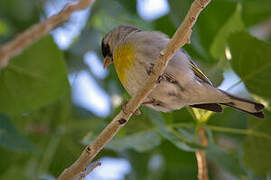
x: 160, y: 78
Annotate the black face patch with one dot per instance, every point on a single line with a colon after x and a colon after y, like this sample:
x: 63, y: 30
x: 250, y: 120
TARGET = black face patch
x: 106, y: 50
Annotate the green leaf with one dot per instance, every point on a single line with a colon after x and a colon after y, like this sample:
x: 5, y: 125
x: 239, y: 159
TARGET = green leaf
x: 212, y: 19
x: 11, y: 139
x: 139, y: 163
x: 105, y: 22
x: 234, y: 24
x: 257, y: 149
x: 180, y: 137
x: 229, y: 118
x: 178, y: 162
x: 15, y: 173
x: 33, y: 79
x: 21, y: 14
x: 164, y: 25
x: 137, y: 136
x: 129, y: 5
x: 255, y: 11
x: 89, y: 40
x: 141, y: 141
x: 251, y: 60
x: 3, y: 28
x: 201, y: 115
x: 178, y: 10
x: 225, y: 160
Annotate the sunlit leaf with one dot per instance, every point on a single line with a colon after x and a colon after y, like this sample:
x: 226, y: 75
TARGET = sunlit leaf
x: 201, y: 115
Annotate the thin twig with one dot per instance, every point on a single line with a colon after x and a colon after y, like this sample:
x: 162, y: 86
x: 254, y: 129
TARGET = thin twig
x: 87, y: 172
x: 181, y: 37
x: 35, y: 32
x: 201, y: 156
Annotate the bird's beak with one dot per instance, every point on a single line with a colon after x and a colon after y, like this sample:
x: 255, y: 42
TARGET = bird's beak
x: 107, y: 61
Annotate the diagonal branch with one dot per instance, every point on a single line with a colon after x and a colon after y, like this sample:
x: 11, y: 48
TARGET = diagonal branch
x: 87, y: 172
x: 14, y: 47
x: 180, y: 38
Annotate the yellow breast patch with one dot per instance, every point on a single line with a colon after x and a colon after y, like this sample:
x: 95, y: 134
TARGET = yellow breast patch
x: 123, y: 59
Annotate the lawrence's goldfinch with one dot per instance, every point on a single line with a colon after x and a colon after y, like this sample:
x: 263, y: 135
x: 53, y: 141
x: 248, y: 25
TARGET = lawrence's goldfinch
x: 134, y: 53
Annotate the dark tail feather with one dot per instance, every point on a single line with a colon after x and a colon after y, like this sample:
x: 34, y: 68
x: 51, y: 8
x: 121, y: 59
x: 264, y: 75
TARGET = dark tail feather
x: 245, y: 105
x: 210, y: 107
x: 259, y: 114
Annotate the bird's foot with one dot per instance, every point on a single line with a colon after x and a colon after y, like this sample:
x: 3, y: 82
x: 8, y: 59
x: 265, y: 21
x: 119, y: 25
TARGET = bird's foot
x: 150, y: 69
x: 123, y: 108
x: 149, y: 102
x: 165, y: 77
x: 160, y: 78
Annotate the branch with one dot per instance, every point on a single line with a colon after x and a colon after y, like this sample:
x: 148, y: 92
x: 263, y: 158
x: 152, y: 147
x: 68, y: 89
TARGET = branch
x: 87, y: 172
x: 17, y: 45
x: 181, y: 37
x: 201, y: 156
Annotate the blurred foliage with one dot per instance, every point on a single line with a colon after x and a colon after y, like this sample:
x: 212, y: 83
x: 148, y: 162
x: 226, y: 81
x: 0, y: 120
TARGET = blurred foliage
x: 27, y: 83
x: 42, y: 130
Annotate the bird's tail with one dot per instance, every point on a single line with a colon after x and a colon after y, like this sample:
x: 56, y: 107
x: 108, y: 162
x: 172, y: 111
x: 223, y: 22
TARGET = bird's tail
x: 245, y: 105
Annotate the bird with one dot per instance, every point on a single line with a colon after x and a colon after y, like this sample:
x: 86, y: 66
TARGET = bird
x: 134, y: 53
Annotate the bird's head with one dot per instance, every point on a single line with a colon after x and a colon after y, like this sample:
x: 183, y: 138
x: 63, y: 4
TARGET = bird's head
x: 112, y: 39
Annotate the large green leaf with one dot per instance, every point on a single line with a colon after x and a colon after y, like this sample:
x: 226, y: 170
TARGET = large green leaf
x: 178, y: 163
x: 257, y: 150
x: 3, y: 28
x: 212, y: 19
x: 10, y: 138
x: 251, y: 60
x: 233, y: 24
x: 129, y: 5
x: 165, y: 25
x: 255, y: 11
x: 105, y: 22
x: 21, y: 14
x: 183, y: 138
x: 141, y: 141
x: 178, y: 10
x: 225, y: 160
x: 139, y: 134
x: 15, y: 173
x: 33, y: 79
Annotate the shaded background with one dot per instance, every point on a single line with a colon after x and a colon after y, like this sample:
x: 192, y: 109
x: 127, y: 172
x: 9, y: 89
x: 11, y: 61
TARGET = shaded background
x: 56, y: 97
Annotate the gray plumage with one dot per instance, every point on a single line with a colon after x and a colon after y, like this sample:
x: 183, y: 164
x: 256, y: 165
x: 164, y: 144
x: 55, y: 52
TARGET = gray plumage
x: 180, y: 85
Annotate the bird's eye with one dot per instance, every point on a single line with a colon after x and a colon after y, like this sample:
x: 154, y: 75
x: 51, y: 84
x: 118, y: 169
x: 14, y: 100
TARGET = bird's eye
x: 106, y: 50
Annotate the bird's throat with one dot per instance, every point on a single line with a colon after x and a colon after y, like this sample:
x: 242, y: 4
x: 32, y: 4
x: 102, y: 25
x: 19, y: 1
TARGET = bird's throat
x: 123, y: 60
